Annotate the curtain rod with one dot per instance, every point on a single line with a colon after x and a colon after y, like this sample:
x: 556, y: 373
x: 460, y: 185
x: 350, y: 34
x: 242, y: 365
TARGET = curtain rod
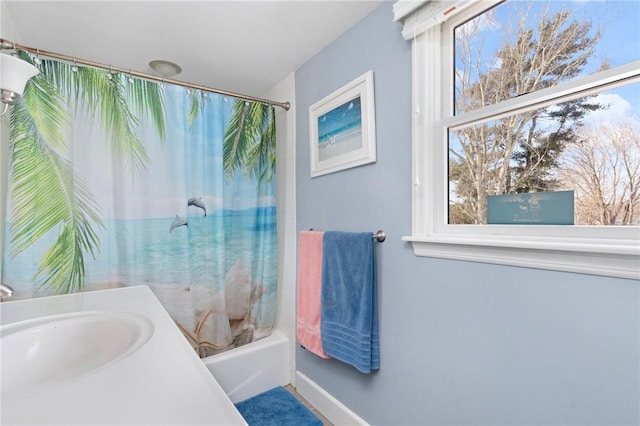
x: 5, y: 44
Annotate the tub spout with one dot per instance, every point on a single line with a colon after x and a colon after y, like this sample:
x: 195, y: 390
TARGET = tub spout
x: 5, y: 291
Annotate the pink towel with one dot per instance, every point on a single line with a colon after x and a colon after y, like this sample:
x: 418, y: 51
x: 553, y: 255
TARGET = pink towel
x: 309, y: 286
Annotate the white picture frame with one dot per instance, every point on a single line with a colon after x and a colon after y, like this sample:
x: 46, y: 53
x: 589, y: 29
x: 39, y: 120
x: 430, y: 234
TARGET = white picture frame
x: 342, y: 128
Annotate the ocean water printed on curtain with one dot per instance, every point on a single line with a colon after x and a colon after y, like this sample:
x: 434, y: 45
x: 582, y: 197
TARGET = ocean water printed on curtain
x: 116, y: 181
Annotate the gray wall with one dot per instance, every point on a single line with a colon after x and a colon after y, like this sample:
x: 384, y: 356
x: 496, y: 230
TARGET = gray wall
x: 461, y: 342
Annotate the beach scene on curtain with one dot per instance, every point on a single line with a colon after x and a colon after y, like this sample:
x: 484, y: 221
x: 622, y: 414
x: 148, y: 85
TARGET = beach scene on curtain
x: 174, y: 190
x: 340, y: 130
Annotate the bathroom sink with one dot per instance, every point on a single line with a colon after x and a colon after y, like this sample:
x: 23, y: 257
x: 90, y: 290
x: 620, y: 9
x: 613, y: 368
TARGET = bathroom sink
x: 51, y: 349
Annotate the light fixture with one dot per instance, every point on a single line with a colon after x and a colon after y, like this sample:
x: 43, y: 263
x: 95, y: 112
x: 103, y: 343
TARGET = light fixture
x: 165, y: 68
x: 14, y: 74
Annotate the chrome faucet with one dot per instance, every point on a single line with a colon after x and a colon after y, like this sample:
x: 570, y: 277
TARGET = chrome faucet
x: 5, y: 291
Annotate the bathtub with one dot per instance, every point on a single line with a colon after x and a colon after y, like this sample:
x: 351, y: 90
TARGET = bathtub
x: 253, y: 368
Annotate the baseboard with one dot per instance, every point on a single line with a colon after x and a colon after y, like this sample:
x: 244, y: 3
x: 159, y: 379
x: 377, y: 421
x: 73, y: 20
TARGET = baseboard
x: 335, y: 411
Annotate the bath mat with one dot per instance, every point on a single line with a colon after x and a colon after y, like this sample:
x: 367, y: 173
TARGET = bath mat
x: 276, y: 407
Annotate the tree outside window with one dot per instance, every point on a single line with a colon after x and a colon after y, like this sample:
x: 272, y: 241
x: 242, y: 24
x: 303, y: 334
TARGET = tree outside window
x: 587, y: 143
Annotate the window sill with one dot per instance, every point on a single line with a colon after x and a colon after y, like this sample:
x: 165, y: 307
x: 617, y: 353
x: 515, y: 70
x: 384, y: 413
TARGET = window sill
x: 615, y: 260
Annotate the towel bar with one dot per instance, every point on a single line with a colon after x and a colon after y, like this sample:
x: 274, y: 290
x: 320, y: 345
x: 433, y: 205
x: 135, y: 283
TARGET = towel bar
x: 379, y: 236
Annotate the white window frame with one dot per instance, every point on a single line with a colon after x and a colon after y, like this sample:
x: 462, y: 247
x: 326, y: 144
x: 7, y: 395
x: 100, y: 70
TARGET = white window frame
x: 599, y: 250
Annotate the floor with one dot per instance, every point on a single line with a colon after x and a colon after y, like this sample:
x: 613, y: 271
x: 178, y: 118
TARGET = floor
x: 291, y: 389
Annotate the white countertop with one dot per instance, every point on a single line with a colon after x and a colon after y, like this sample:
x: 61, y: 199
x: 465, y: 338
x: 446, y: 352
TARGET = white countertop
x: 161, y: 383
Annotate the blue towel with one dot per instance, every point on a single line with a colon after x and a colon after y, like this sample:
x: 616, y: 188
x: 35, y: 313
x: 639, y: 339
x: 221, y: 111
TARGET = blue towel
x: 349, y: 315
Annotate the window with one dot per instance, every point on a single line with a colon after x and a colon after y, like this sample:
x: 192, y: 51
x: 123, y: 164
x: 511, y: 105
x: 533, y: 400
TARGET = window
x: 525, y: 109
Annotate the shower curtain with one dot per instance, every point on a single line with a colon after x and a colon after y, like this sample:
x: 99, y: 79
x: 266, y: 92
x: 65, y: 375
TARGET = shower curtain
x: 117, y: 181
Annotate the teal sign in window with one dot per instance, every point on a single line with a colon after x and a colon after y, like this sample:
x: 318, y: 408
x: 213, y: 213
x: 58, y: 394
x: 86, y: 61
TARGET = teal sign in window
x: 536, y: 208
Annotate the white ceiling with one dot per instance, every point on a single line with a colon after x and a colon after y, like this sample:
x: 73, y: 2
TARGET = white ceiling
x: 240, y: 46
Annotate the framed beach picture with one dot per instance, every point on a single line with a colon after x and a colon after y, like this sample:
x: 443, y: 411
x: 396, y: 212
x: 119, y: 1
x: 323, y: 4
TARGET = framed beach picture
x: 342, y: 128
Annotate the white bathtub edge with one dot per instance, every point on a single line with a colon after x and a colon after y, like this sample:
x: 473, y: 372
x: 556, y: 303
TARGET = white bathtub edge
x: 335, y: 411
x: 253, y: 368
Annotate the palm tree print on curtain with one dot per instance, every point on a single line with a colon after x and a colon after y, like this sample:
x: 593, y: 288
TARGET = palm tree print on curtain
x: 116, y: 181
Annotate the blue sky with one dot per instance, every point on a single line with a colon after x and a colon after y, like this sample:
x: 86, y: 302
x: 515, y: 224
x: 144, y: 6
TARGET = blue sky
x: 618, y: 20
x: 619, y: 23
